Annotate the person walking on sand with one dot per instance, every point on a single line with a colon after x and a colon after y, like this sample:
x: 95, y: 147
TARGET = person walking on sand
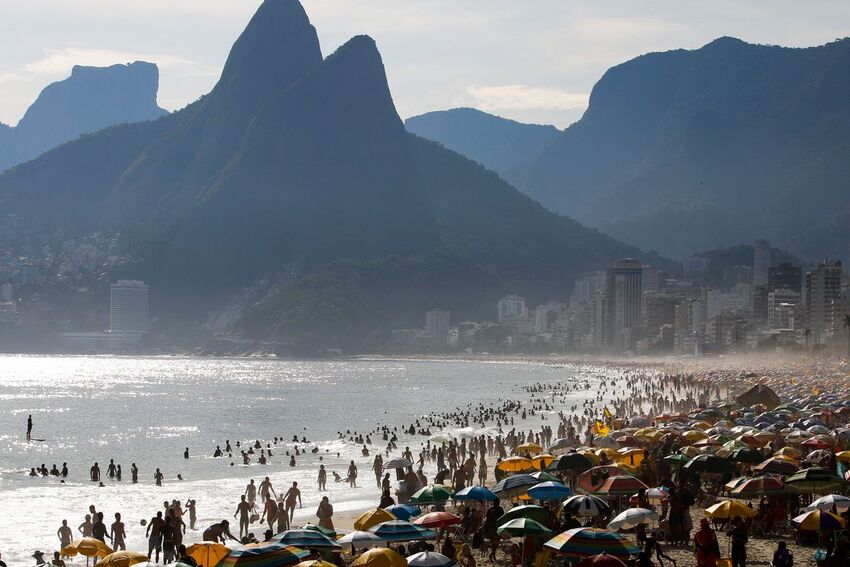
x: 29, y: 427
x: 251, y: 493
x: 266, y: 489
x: 292, y: 495
x: 352, y: 475
x: 270, y: 512
x: 325, y: 513
x: 323, y: 478
x: 243, y: 510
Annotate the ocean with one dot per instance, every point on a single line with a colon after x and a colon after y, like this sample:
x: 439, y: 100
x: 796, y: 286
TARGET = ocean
x: 147, y: 410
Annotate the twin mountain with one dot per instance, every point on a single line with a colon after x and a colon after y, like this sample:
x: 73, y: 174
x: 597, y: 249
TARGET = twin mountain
x: 91, y: 99
x: 297, y: 169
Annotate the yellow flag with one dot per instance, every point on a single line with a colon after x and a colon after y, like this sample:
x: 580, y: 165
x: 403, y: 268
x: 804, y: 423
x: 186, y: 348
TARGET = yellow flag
x: 602, y: 429
x: 606, y: 412
x: 794, y: 381
x: 815, y: 391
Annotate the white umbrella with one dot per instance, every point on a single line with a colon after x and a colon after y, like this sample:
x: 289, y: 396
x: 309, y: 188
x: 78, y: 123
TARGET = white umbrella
x: 360, y: 539
x: 429, y: 559
x: 826, y: 503
x: 631, y: 518
x: 586, y: 505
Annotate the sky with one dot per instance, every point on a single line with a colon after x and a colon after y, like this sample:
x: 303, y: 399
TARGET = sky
x: 529, y: 60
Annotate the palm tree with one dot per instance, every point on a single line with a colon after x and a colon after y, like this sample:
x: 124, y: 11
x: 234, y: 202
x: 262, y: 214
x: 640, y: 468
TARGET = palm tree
x: 847, y: 326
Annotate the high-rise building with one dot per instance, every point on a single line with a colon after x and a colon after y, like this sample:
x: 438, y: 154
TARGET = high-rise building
x: 546, y: 316
x: 781, y: 308
x: 512, y: 308
x: 658, y: 309
x: 785, y: 276
x: 651, y: 279
x: 823, y: 294
x: 761, y: 262
x: 129, y: 308
x: 437, y: 326
x: 624, y: 302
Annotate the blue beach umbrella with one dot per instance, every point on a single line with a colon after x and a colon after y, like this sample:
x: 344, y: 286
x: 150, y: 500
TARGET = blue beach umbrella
x: 403, y: 511
x: 549, y: 491
x: 399, y: 530
x: 306, y: 539
x: 476, y: 493
x: 514, y: 486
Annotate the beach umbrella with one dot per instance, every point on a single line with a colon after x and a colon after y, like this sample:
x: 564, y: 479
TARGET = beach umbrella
x: 841, y: 503
x: 549, y: 491
x: 759, y: 486
x: 820, y: 457
x: 437, y: 520
x: 429, y: 559
x: 560, y: 444
x: 694, y: 435
x: 523, y: 527
x: 747, y: 455
x: 708, y: 464
x: 600, y: 560
x: 476, y: 493
x: 677, y: 460
x: 631, y: 517
x: 543, y: 476
x: 655, y: 495
x: 604, y: 441
x: 207, y: 553
x: 528, y: 449
x: 585, y: 542
x: 306, y: 539
x: 777, y: 465
x: 620, y: 485
x: 315, y: 563
x: 380, y: 557
x: 372, y: 518
x: 123, y: 558
x: 88, y: 546
x: 360, y: 539
x: 540, y: 462
x: 586, y: 505
x: 515, y: 464
x: 728, y: 509
x: 788, y: 453
x: 400, y: 463
x: 735, y: 483
x: 403, y: 511
x: 815, y: 444
x: 266, y: 554
x: 514, y: 485
x: 814, y: 480
x: 537, y: 513
x: 818, y: 520
x: 843, y: 456
x: 431, y: 494
x: 399, y: 530
x: 321, y: 529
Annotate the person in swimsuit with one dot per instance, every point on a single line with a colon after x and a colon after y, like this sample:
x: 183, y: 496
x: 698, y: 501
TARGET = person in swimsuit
x: 292, y: 495
x: 243, y: 510
x: 117, y: 533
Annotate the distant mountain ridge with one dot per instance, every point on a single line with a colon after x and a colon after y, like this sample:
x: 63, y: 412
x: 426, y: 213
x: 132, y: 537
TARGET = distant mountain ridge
x: 298, y: 169
x: 91, y: 99
x: 496, y: 143
x: 687, y: 150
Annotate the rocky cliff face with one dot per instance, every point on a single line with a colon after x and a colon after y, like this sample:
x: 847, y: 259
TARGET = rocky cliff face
x: 91, y: 99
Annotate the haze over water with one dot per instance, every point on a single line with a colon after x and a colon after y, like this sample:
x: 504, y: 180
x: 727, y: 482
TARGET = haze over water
x: 147, y: 410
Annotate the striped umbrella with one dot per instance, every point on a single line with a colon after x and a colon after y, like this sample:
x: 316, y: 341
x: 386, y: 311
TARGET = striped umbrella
x: 841, y: 503
x: 306, y: 539
x: 586, y: 505
x: 399, y: 530
x: 359, y: 540
x: 759, y: 486
x: 404, y: 511
x: 549, y: 491
x: 431, y: 494
x: 814, y: 480
x: 584, y: 542
x: 429, y: 559
x: 631, y: 517
x: 601, y: 560
x: 514, y: 486
x: 537, y: 513
x: 817, y: 520
x: 272, y: 554
x: 437, y: 520
x: 476, y: 493
x: 620, y: 484
x: 777, y: 465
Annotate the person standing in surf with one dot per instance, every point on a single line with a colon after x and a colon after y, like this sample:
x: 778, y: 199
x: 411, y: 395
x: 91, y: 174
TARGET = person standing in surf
x: 29, y: 427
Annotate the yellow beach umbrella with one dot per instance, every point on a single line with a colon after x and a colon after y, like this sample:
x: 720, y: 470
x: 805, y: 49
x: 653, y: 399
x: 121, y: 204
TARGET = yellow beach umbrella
x: 729, y: 509
x: 207, y: 553
x: 528, y: 449
x: 703, y: 425
x: 122, y: 558
x: 514, y: 464
x: 593, y: 457
x: 608, y: 452
x: 315, y: 563
x: 689, y: 451
x: 88, y: 546
x: 646, y: 432
x: 694, y: 435
x: 372, y: 518
x: 380, y: 557
x: 540, y: 462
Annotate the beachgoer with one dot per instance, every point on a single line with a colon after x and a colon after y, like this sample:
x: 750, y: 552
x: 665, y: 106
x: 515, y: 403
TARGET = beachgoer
x: 29, y: 427
x: 65, y: 535
x: 352, y: 475
x: 243, y: 511
x: 85, y: 527
x: 219, y: 532
x: 323, y: 478
x: 707, y: 549
x: 57, y: 561
x: 154, y: 535
x: 782, y: 557
x: 270, y: 512
x: 117, y: 533
x: 158, y: 476
x: 134, y: 473
x: 292, y: 495
x: 325, y: 512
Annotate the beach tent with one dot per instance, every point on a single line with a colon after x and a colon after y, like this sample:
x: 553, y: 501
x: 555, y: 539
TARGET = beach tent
x: 759, y: 394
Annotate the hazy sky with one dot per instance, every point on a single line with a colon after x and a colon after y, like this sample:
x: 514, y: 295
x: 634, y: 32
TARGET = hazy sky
x: 532, y: 60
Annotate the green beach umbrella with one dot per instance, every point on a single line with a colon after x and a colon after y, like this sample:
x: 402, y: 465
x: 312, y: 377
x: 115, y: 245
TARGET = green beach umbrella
x: 530, y: 512
x: 431, y: 494
x: 523, y: 527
